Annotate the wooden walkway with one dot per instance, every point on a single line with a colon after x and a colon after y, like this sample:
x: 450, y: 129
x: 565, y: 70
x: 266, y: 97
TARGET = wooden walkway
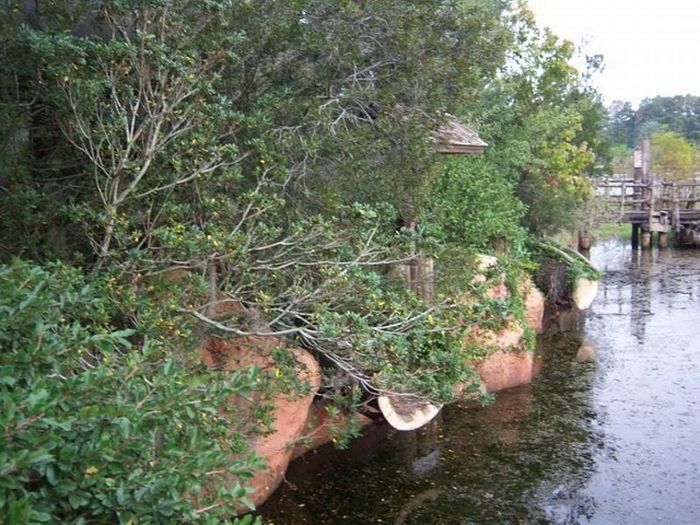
x: 658, y: 207
x: 652, y: 205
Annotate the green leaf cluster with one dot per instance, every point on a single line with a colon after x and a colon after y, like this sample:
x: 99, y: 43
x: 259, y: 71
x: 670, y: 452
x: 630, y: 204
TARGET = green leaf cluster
x: 101, y: 425
x: 673, y: 157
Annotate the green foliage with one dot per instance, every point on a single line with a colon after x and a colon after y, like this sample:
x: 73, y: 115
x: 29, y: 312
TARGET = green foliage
x: 96, y: 429
x: 386, y: 339
x: 268, y: 158
x: 255, y: 168
x: 622, y: 157
x: 576, y: 265
x: 543, y: 124
x: 579, y: 269
x: 612, y: 231
x: 679, y: 114
x: 472, y: 205
x: 673, y: 157
x: 620, y: 125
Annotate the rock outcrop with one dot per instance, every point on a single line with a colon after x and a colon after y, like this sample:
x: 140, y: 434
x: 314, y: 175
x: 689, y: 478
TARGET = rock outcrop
x: 508, y: 365
x: 504, y: 369
x: 534, y: 306
x: 290, y: 412
x: 586, y: 353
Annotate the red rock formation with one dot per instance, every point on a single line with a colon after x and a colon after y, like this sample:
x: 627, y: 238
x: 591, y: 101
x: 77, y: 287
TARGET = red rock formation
x: 509, y: 366
x: 290, y: 412
x: 534, y: 306
x: 290, y: 415
x: 503, y: 369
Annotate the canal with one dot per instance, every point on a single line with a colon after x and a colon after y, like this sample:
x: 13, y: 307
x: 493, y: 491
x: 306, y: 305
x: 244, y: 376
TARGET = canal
x: 615, y: 441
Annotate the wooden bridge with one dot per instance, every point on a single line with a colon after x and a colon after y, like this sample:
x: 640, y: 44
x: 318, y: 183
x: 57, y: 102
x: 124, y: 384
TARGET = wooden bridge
x: 654, y: 206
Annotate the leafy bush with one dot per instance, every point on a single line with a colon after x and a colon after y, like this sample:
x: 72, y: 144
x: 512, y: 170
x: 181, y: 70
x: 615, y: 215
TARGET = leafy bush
x: 472, y: 205
x: 97, y: 429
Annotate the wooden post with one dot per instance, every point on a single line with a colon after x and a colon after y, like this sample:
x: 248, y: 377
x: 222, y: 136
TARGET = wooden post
x: 414, y: 275
x: 426, y: 275
x: 637, y: 176
x: 676, y: 220
x: 622, y: 199
x: 647, y: 226
x: 646, y: 163
x: 663, y: 240
x: 584, y: 240
x: 648, y: 192
x: 650, y: 211
x: 637, y: 195
x: 692, y: 197
x: 421, y: 275
x: 410, y: 271
x: 646, y: 175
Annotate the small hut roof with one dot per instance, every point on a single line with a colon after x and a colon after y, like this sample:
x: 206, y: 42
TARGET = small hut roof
x: 453, y: 136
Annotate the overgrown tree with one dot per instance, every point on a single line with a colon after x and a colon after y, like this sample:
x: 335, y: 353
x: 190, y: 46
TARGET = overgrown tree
x: 244, y: 168
x: 543, y: 122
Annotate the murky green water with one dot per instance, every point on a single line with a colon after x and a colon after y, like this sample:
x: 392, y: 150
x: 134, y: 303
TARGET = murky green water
x: 612, y: 442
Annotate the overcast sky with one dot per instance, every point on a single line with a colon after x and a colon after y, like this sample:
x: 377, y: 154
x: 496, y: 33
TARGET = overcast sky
x: 651, y: 47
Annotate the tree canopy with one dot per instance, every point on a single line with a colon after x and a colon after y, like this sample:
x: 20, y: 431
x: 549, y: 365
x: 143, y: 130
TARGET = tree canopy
x: 672, y: 124
x: 680, y: 114
x: 216, y: 168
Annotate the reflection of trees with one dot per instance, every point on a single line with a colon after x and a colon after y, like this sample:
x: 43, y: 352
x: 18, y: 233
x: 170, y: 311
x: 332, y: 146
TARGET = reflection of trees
x: 421, y: 450
x: 525, y: 459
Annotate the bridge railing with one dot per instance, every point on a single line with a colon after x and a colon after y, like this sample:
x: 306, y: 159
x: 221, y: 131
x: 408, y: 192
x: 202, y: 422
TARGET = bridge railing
x: 636, y: 200
x: 627, y: 193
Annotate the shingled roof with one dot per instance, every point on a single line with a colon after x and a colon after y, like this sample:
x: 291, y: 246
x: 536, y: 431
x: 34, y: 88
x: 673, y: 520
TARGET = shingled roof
x: 455, y: 137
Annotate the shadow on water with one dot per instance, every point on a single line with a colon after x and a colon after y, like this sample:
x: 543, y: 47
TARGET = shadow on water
x: 523, y: 459
x: 576, y: 446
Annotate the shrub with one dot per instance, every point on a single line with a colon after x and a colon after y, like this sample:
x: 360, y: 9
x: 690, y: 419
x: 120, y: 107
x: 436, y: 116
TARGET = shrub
x: 98, y: 429
x: 473, y: 206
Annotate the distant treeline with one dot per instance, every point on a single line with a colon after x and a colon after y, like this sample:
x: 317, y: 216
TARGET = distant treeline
x: 680, y: 114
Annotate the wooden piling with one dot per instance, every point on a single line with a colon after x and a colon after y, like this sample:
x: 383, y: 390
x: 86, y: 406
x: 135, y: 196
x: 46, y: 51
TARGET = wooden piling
x: 623, y: 196
x: 635, y: 236
x: 427, y: 279
x: 648, y: 194
x: 585, y: 240
x: 676, y: 219
x: 637, y: 195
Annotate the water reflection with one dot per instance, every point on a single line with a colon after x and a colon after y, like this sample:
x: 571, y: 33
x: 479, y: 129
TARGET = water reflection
x: 523, y: 459
x: 610, y: 441
x: 646, y: 390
